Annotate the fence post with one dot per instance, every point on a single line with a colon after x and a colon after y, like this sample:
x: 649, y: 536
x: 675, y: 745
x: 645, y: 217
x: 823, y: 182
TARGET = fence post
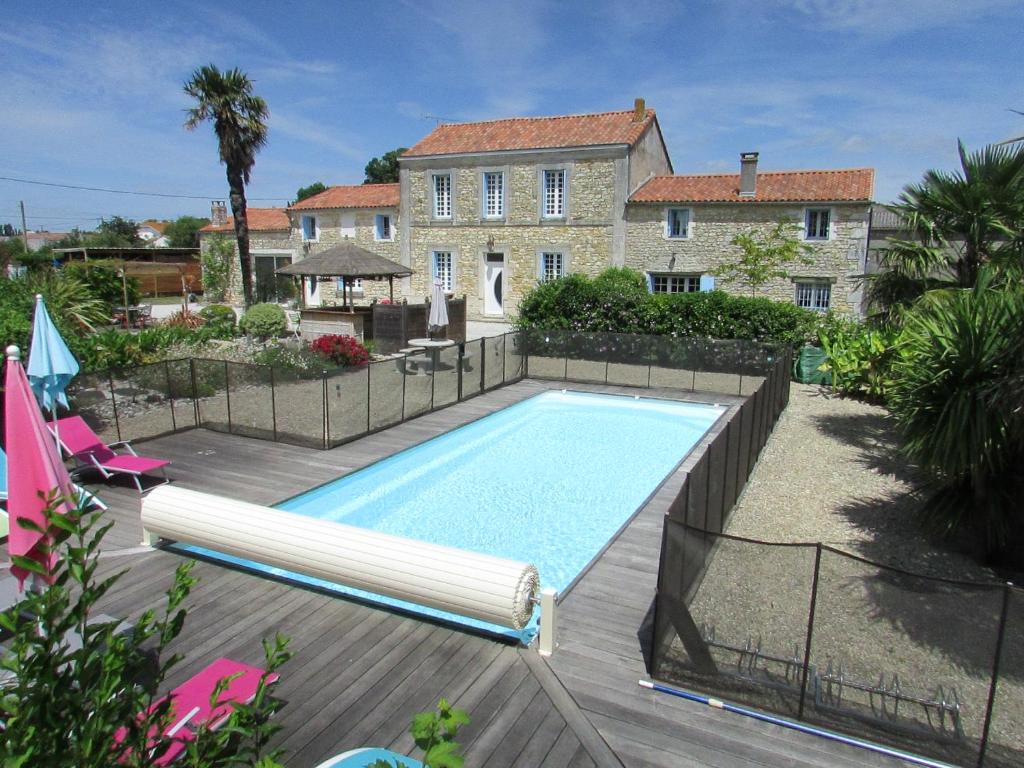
x: 504, y: 354
x: 405, y: 375
x: 525, y: 340
x: 435, y: 360
x: 113, y: 403
x: 195, y: 391
x: 483, y: 362
x: 273, y: 404
x: 227, y: 393
x: 810, y: 630
x: 170, y: 395
x: 325, y: 422
x: 369, y: 367
x: 462, y: 355
x: 995, y: 673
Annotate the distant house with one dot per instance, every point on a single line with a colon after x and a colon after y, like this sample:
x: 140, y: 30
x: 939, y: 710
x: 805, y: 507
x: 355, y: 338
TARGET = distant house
x: 680, y: 228
x: 37, y: 240
x: 151, y: 232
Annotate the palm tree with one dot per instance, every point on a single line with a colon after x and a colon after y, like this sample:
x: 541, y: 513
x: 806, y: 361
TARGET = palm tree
x: 961, y: 221
x: 240, y: 122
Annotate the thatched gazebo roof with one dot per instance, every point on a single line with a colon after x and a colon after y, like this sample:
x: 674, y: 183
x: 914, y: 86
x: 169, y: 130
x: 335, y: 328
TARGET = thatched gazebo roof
x: 346, y: 260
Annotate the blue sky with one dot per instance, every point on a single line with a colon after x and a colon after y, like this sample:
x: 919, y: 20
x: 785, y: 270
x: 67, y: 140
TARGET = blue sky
x: 92, y: 92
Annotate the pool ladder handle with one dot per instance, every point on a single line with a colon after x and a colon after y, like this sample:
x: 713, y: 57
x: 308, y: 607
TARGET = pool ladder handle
x: 547, y: 601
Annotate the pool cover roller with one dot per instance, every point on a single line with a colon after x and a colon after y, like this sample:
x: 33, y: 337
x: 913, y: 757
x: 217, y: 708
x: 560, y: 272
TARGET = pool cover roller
x: 480, y: 586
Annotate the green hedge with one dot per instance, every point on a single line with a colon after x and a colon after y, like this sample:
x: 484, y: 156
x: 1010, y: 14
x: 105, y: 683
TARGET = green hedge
x: 617, y: 301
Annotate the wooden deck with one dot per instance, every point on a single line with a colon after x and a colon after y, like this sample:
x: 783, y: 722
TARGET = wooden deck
x: 360, y: 673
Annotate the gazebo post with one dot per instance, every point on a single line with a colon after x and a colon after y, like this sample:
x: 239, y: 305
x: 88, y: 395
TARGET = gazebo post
x: 344, y: 285
x: 302, y: 291
x: 391, y: 288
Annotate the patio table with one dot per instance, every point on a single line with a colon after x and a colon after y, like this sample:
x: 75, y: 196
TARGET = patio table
x: 434, y: 347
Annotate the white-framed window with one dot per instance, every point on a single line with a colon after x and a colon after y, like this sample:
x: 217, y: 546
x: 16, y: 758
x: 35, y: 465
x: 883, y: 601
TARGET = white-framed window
x: 675, y: 283
x: 383, y: 229
x: 551, y: 266
x: 444, y: 268
x: 677, y: 223
x: 354, y: 284
x: 493, y: 194
x: 309, y: 229
x: 554, y: 194
x: 814, y: 294
x: 816, y: 223
x: 442, y: 187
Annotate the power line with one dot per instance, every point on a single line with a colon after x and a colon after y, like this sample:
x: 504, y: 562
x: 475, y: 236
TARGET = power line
x: 125, y: 191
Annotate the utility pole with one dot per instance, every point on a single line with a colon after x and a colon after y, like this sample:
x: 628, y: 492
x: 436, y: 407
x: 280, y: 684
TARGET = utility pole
x: 24, y: 226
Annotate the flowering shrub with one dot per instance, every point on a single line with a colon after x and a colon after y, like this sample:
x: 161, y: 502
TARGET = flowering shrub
x: 385, y: 301
x: 341, y: 350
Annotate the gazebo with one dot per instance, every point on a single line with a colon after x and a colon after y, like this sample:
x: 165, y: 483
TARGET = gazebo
x: 348, y: 262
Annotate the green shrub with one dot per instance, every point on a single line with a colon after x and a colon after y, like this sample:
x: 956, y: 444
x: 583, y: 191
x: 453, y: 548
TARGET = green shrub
x: 220, y: 316
x: 860, y: 359
x: 617, y: 301
x: 264, y: 321
x: 103, y: 282
x: 63, y: 706
x: 948, y: 397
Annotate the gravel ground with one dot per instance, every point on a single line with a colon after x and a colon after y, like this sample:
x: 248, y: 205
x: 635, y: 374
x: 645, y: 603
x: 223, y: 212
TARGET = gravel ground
x: 830, y: 473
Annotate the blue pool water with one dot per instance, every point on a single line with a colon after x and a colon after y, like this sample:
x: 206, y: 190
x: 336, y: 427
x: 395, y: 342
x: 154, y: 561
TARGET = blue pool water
x: 548, y: 481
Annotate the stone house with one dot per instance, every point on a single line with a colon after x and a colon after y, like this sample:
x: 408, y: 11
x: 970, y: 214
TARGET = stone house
x: 680, y: 228
x: 493, y: 207
x: 366, y: 214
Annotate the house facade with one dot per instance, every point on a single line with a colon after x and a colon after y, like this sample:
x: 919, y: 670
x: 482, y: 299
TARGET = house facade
x: 491, y: 208
x: 366, y: 214
x: 679, y: 229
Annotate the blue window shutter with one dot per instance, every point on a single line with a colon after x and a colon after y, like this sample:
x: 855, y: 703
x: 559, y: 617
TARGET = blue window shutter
x: 650, y: 282
x: 540, y: 267
x: 379, y: 225
x: 707, y: 282
x: 433, y: 259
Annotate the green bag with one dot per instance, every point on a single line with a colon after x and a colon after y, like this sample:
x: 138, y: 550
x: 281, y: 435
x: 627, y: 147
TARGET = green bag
x: 805, y: 369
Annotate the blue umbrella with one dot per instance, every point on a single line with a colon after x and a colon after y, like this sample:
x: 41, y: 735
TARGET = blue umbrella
x: 51, y: 366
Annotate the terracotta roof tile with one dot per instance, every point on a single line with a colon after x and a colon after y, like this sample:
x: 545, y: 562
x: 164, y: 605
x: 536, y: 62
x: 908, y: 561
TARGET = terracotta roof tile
x: 156, y: 226
x: 534, y: 133
x: 352, y: 196
x: 260, y: 220
x: 855, y: 184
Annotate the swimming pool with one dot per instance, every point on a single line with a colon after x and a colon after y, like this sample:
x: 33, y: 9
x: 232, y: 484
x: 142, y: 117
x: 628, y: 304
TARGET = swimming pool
x: 548, y: 481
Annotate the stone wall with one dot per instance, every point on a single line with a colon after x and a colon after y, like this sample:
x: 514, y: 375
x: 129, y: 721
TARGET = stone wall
x: 712, y: 228
x: 584, y: 236
x: 329, y: 221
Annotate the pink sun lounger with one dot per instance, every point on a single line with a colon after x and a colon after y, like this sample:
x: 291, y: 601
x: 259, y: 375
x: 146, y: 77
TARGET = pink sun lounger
x: 191, y: 708
x: 82, y: 444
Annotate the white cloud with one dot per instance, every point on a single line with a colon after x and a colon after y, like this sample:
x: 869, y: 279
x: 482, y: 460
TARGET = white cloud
x: 889, y: 18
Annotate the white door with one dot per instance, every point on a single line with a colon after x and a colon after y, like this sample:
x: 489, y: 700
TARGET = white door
x: 312, y: 296
x: 494, y: 268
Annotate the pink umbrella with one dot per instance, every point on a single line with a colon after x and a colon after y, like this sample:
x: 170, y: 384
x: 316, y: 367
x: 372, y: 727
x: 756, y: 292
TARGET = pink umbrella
x: 33, y: 465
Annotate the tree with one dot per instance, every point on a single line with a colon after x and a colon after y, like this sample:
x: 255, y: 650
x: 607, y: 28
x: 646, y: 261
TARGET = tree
x: 115, y: 232
x: 62, y: 707
x: 183, y: 232
x: 8, y: 230
x: 313, y: 189
x: 765, y: 254
x: 240, y: 123
x: 961, y: 221
x: 216, y: 261
x: 384, y: 169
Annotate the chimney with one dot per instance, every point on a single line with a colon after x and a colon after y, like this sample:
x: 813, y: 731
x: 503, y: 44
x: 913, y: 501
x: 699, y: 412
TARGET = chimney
x: 748, y: 174
x: 218, y: 213
x: 639, y: 111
